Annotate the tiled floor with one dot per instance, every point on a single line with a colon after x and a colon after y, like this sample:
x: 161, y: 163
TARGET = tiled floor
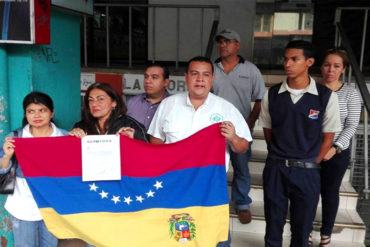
x: 348, y: 224
x: 243, y: 239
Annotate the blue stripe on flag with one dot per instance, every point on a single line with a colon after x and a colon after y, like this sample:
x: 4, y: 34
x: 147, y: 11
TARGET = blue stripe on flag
x: 205, y: 186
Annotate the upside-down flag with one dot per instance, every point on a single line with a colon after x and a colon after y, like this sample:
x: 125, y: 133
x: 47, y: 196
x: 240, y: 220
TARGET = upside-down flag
x: 169, y: 195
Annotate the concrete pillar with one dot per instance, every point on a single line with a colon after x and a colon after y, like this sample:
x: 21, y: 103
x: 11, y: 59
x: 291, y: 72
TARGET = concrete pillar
x: 5, y: 232
x: 4, y: 93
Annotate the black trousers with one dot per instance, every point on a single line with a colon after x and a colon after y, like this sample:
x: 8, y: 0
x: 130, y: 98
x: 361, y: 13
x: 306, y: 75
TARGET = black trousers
x: 332, y: 172
x: 300, y: 187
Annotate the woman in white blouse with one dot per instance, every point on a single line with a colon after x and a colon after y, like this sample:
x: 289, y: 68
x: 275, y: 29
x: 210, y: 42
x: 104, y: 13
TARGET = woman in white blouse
x: 29, y: 229
x: 337, y: 159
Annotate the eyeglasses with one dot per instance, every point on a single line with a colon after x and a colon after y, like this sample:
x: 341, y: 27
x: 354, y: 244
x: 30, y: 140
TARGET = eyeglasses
x: 225, y: 41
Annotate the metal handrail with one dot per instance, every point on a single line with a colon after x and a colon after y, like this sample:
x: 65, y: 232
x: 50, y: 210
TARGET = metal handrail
x: 211, y: 39
x: 360, y: 78
x: 361, y: 85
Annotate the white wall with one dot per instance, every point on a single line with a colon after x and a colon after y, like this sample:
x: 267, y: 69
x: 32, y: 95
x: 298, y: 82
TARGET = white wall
x: 235, y: 14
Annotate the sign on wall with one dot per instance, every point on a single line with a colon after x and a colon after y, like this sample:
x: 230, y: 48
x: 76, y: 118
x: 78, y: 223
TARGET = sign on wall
x: 134, y: 84
x: 89, y: 78
x: 25, y: 21
x: 131, y: 84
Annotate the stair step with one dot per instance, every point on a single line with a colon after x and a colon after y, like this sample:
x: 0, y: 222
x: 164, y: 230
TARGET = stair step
x: 258, y: 131
x: 348, y: 227
x: 245, y: 239
x: 271, y: 79
x: 259, y: 145
x: 258, y: 155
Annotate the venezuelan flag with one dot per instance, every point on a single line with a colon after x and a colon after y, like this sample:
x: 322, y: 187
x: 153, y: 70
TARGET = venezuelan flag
x: 168, y: 195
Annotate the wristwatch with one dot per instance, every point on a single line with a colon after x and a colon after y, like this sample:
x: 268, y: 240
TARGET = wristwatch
x: 338, y: 150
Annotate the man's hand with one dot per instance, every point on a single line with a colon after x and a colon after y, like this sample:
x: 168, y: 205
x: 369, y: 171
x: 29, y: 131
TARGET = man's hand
x: 239, y: 145
x: 228, y: 130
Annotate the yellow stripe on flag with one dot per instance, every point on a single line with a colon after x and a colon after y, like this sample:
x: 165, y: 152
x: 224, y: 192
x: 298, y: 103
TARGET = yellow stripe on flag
x: 124, y: 229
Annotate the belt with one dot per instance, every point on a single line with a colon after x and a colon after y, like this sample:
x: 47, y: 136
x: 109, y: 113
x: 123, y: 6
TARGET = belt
x: 296, y: 163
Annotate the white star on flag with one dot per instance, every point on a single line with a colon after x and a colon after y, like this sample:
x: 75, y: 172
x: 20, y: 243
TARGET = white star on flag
x: 103, y: 194
x: 139, y: 198
x: 150, y: 194
x: 127, y: 200
x: 158, y: 185
x: 115, y: 199
x: 93, y: 187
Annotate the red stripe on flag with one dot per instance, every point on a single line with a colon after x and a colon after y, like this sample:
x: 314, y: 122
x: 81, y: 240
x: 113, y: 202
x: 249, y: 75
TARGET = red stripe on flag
x: 61, y: 156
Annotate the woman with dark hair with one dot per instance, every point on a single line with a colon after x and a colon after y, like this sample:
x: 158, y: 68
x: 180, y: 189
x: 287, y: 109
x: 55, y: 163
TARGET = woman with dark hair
x: 29, y: 229
x: 104, y: 112
x: 337, y: 159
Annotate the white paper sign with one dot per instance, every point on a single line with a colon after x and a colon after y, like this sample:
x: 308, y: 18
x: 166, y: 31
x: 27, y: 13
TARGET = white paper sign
x: 101, y: 158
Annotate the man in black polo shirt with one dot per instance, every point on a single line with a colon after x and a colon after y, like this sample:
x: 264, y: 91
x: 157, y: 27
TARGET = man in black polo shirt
x: 299, y: 118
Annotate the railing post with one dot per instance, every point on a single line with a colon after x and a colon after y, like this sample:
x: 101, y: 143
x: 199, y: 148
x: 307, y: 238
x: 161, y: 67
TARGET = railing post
x: 366, y: 149
x: 354, y: 138
x: 153, y: 36
x: 177, y: 38
x: 353, y: 156
x: 363, y: 40
x: 337, y: 16
x: 85, y: 41
x: 107, y: 33
x: 130, y: 37
x: 201, y: 30
x: 366, y: 159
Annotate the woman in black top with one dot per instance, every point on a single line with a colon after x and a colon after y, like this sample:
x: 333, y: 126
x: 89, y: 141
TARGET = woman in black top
x: 104, y: 112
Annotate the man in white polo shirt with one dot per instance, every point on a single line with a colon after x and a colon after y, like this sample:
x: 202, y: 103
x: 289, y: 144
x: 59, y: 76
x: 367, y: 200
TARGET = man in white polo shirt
x: 183, y: 114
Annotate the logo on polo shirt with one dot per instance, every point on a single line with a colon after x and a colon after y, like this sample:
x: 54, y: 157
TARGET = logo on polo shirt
x: 216, y: 118
x: 314, y: 114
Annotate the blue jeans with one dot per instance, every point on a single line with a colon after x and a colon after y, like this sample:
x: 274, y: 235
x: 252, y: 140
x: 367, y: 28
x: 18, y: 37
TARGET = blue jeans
x: 241, y: 184
x: 32, y: 233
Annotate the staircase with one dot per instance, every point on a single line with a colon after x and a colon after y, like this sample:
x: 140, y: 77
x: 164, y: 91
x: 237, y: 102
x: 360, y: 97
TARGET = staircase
x: 349, y: 229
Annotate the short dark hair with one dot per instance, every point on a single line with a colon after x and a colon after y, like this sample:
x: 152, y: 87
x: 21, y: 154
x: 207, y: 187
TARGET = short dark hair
x: 166, y: 72
x: 339, y: 52
x: 199, y: 59
x: 304, y: 45
x: 36, y: 98
x: 119, y: 110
